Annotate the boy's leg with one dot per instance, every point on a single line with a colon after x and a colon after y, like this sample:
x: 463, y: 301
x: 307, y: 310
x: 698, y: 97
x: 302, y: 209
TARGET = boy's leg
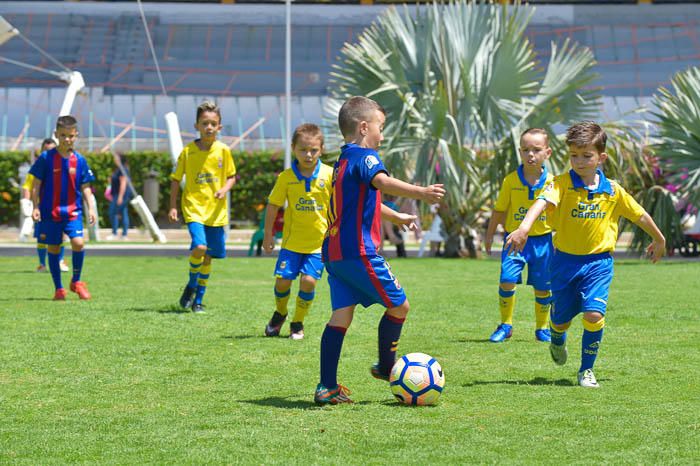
x: 282, y: 292
x: 55, y: 269
x: 557, y: 345
x: 77, y: 286
x: 593, y: 324
x: 328, y: 391
x: 62, y: 262
x: 389, y: 333
x: 202, y: 280
x: 305, y: 297
x: 543, y: 305
x: 41, y: 253
x: 198, y: 249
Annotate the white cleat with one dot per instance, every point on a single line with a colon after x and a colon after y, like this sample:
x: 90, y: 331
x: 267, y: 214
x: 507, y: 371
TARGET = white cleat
x: 64, y: 267
x: 559, y: 353
x: 587, y: 379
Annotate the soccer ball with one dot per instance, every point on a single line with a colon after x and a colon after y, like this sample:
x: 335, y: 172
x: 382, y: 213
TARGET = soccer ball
x: 417, y: 379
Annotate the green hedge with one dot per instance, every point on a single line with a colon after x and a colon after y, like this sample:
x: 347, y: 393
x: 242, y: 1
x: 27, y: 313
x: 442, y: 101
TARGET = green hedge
x: 256, y: 174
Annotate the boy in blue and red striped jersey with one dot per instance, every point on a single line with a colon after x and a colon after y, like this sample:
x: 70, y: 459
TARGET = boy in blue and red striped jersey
x: 357, y: 274
x: 62, y: 177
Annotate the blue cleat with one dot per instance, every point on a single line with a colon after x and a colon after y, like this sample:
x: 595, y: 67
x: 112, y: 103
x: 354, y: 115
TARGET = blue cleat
x: 503, y: 332
x: 542, y: 334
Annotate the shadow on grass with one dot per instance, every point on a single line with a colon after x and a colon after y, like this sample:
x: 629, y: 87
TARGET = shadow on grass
x: 242, y: 337
x: 172, y: 309
x: 486, y: 340
x: 535, y: 381
x: 288, y: 403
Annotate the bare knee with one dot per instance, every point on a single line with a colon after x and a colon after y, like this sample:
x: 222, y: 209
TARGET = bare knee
x: 507, y: 286
x: 593, y: 317
x: 400, y: 311
x: 307, y: 283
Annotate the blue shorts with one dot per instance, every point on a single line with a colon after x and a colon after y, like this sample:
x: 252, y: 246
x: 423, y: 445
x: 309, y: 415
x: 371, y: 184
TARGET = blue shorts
x: 580, y: 284
x: 366, y: 281
x: 538, y: 257
x: 214, y: 238
x: 51, y: 232
x: 290, y: 264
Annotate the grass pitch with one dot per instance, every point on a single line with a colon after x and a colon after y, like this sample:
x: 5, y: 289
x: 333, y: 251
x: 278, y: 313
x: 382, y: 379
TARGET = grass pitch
x: 129, y: 378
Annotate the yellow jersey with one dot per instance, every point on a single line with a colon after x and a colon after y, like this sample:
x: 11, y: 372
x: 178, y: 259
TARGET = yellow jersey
x: 205, y: 173
x: 517, y: 196
x: 586, y: 221
x: 306, y: 216
x: 28, y: 183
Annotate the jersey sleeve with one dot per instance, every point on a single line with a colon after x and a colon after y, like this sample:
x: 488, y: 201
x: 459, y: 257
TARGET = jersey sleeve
x: 86, y: 175
x: 503, y: 199
x: 38, y: 170
x: 369, y: 166
x: 279, y: 191
x: 627, y: 206
x: 552, y: 192
x: 28, y: 182
x: 229, y: 165
x: 180, y: 167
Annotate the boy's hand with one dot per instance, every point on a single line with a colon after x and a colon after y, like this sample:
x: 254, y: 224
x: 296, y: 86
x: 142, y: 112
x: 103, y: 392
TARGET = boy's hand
x: 92, y: 218
x: 434, y: 193
x: 515, y: 242
x: 36, y: 215
x: 407, y: 221
x: 268, y: 244
x: 488, y: 242
x: 172, y: 215
x: 656, y: 250
x: 219, y: 194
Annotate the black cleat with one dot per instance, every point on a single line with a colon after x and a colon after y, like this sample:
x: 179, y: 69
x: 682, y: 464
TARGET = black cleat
x: 272, y: 329
x: 187, y: 298
x: 198, y: 308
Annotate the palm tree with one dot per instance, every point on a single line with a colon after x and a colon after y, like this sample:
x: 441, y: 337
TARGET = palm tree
x: 460, y: 81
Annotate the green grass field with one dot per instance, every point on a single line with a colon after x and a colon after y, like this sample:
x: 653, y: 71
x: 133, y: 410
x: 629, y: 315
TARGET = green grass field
x: 128, y: 378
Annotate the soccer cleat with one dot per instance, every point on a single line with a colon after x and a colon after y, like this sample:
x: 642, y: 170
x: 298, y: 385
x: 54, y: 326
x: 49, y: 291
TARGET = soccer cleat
x: 587, y: 379
x: 272, y: 329
x: 296, y: 331
x: 198, y: 308
x: 81, y: 289
x: 338, y: 395
x: 502, y: 332
x: 187, y: 298
x: 64, y: 267
x: 42, y: 268
x: 559, y: 353
x: 377, y: 372
x: 542, y: 334
x: 60, y: 295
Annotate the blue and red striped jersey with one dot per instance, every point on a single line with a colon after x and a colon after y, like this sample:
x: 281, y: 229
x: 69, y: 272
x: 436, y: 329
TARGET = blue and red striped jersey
x: 61, y: 197
x: 354, y: 214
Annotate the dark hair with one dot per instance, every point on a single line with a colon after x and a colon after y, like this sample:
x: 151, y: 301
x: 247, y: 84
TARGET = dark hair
x: 536, y: 131
x: 587, y: 133
x: 66, y: 121
x: 208, y: 106
x: 46, y: 142
x: 308, y: 129
x: 355, y: 110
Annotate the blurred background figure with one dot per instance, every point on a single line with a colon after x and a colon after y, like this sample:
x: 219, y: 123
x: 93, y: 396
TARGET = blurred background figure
x: 392, y: 232
x: 121, y: 195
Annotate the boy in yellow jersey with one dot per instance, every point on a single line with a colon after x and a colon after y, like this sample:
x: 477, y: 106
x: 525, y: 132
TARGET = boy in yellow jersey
x: 588, y: 207
x: 209, y: 172
x: 519, y: 191
x: 46, y: 144
x: 306, y: 187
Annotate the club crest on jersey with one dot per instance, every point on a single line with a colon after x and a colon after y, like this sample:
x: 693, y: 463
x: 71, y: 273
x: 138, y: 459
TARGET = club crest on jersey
x: 220, y: 162
x: 371, y: 161
x: 321, y: 184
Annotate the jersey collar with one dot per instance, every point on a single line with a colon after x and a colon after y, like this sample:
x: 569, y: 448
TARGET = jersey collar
x: 300, y: 177
x: 536, y: 186
x: 604, y: 185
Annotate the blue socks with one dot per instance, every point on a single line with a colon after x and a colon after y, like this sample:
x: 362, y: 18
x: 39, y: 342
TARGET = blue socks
x: 558, y: 338
x: 331, y: 344
x: 42, y: 255
x: 589, y: 348
x: 55, y: 270
x: 389, y: 334
x: 77, y: 261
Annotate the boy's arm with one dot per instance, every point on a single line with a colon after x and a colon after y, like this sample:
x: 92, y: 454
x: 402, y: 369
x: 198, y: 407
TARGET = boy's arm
x: 36, y: 215
x: 657, y: 248
x: 270, y: 216
x: 517, y: 239
x: 398, y: 218
x: 497, y: 218
x: 227, y: 187
x: 174, y: 192
x: 87, y: 195
x: 386, y: 184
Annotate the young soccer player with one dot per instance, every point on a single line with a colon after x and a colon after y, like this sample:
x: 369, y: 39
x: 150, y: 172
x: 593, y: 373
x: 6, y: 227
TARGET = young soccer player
x: 588, y: 206
x: 519, y: 191
x: 62, y: 178
x: 306, y: 187
x: 357, y: 274
x: 208, y: 168
x: 46, y: 144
